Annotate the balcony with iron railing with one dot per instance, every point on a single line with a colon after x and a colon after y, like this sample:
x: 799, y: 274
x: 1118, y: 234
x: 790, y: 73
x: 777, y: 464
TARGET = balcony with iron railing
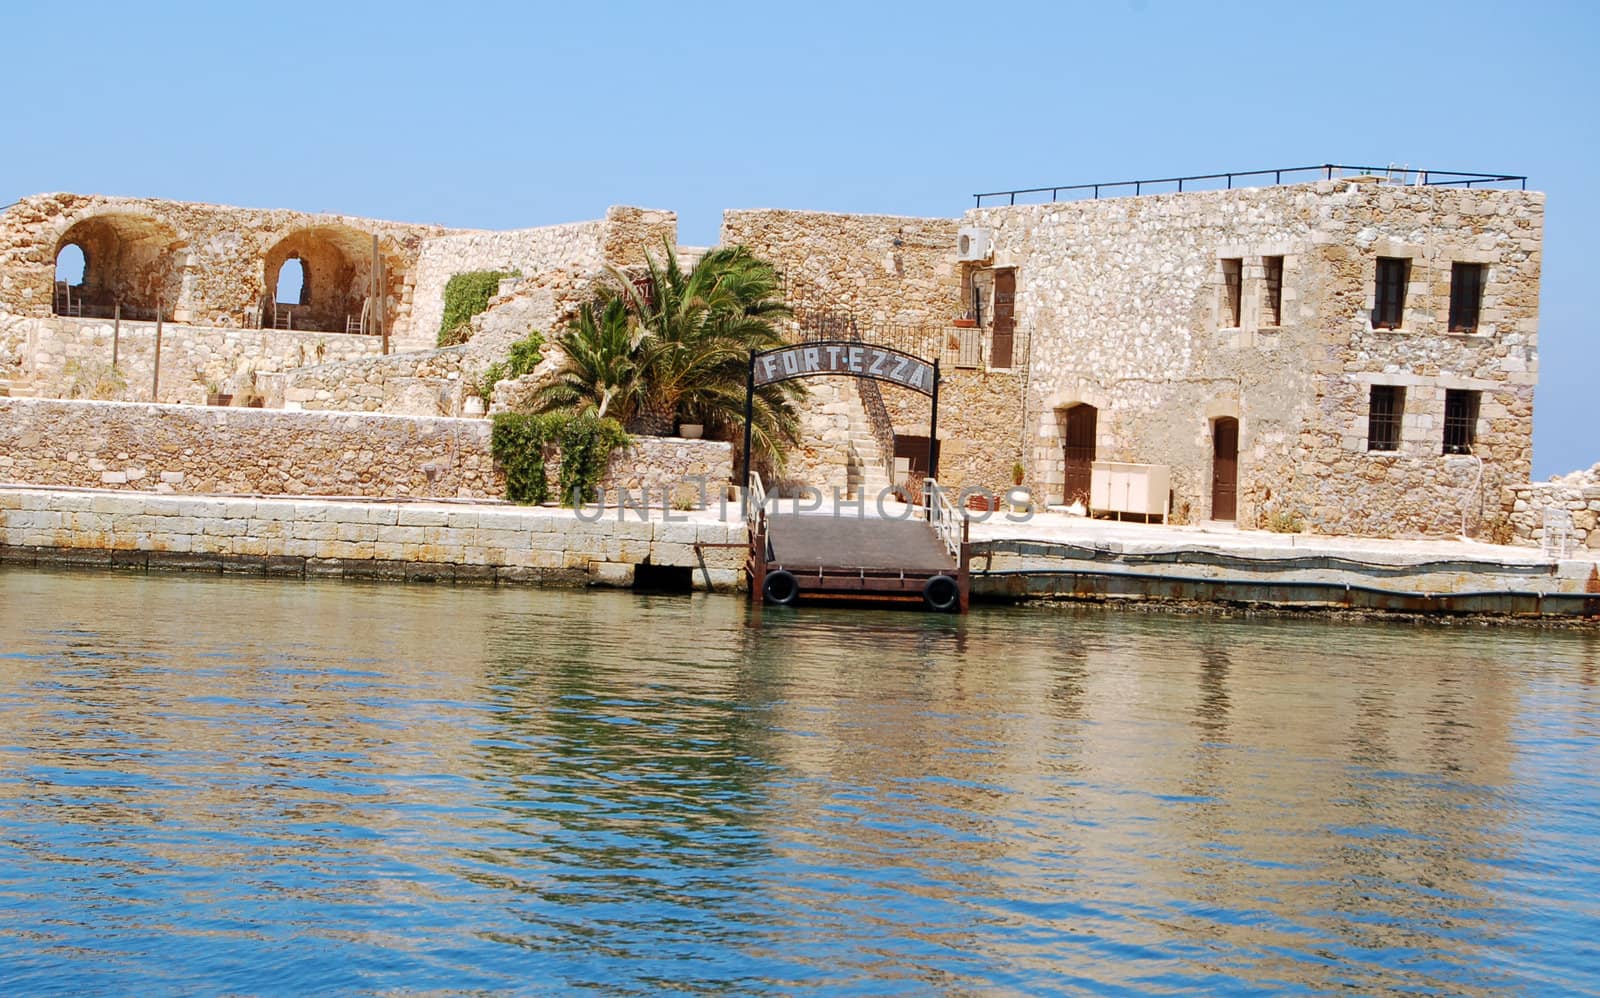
x: 1248, y: 178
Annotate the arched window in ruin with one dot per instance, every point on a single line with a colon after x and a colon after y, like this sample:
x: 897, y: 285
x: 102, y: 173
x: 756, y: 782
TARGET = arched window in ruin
x: 335, y: 274
x: 113, y: 260
x: 70, y: 267
x: 291, y: 288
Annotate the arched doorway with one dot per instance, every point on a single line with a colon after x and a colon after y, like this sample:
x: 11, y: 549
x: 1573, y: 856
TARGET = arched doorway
x: 1225, y: 469
x: 109, y: 261
x: 334, y: 268
x: 1078, y: 435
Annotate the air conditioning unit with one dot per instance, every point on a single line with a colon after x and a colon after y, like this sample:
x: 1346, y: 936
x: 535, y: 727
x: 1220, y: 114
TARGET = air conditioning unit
x: 974, y: 245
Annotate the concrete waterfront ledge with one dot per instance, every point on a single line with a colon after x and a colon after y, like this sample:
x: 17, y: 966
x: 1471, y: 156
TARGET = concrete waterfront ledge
x: 490, y: 542
x: 1059, y: 557
x: 371, y: 539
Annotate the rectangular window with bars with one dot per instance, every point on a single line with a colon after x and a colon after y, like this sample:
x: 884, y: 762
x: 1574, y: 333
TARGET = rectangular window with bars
x: 1232, y: 291
x: 1466, y: 296
x: 1272, y: 291
x: 1387, y: 405
x: 1389, y: 303
x: 1460, y: 421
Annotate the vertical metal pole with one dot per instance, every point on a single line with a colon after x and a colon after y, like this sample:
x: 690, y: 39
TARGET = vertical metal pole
x: 155, y: 376
x: 375, y: 294
x: 749, y: 415
x: 116, y: 332
x: 933, y: 426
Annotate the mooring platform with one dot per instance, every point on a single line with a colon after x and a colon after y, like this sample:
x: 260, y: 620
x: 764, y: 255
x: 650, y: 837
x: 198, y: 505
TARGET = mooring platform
x: 828, y: 555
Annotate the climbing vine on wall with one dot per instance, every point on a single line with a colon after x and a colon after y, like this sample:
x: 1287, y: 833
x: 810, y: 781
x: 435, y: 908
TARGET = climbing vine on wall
x: 465, y: 295
x: 521, y: 443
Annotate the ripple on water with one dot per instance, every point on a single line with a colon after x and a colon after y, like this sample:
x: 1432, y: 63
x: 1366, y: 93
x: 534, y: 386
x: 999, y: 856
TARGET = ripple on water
x: 226, y: 785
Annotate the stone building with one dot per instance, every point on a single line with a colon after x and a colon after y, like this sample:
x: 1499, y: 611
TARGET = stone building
x: 1350, y: 355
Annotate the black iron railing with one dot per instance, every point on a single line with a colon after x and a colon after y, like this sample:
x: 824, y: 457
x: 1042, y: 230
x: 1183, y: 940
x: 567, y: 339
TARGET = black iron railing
x: 956, y: 347
x: 1252, y: 178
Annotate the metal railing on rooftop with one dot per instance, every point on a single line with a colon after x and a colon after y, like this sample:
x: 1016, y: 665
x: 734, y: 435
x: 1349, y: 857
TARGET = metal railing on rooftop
x: 1254, y: 178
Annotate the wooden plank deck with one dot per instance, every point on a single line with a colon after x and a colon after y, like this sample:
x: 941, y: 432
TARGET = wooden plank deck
x: 800, y: 542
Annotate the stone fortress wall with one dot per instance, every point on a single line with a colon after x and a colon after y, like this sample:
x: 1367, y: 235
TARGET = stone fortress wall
x: 72, y: 357
x: 210, y: 265
x: 1121, y: 304
x: 1568, y: 506
x: 1126, y: 300
x: 896, y: 278
x: 210, y: 449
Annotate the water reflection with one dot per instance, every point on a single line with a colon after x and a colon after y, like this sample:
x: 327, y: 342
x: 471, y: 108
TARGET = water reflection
x: 216, y: 784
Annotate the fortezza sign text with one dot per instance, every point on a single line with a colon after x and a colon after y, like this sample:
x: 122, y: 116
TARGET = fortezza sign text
x: 860, y: 359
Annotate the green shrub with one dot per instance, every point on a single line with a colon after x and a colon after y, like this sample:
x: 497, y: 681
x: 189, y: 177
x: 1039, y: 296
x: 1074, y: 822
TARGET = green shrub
x: 521, y: 442
x: 492, y: 375
x: 465, y: 295
x: 586, y: 443
x: 526, y: 354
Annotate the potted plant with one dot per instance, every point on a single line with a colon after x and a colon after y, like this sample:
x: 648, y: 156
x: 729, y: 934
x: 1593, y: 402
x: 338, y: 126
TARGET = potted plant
x: 966, y: 320
x: 216, y: 396
x: 690, y: 425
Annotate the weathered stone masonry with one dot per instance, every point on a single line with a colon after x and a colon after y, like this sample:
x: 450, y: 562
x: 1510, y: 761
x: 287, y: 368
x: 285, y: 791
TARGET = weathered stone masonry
x: 1122, y: 305
x: 319, y: 538
x: 199, y: 449
x: 1127, y: 302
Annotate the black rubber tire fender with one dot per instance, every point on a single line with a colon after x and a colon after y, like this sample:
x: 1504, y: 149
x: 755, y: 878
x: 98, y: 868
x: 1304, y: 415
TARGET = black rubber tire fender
x: 942, y: 593
x: 780, y: 587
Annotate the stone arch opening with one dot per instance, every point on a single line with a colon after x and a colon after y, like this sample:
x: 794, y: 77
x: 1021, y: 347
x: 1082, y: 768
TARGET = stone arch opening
x: 335, y: 264
x: 291, y: 287
x: 131, y: 261
x: 71, y: 265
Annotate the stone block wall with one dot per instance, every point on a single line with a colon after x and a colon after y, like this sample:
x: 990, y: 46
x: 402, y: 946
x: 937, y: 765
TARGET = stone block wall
x: 211, y: 265
x: 1126, y: 304
x: 576, y: 246
x: 200, y: 449
x: 423, y: 383
x: 61, y: 357
x: 1576, y: 494
x: 432, y: 542
x: 583, y: 249
x: 877, y: 268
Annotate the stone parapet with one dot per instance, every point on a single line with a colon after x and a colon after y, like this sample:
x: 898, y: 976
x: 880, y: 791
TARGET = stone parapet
x: 203, y: 449
x: 1570, y: 503
x: 447, y: 542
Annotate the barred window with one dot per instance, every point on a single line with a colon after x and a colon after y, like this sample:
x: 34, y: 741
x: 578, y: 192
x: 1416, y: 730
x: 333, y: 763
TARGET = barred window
x: 1389, y: 304
x: 1232, y: 291
x: 1466, y: 296
x: 1272, y: 291
x: 1387, y: 405
x: 1460, y: 421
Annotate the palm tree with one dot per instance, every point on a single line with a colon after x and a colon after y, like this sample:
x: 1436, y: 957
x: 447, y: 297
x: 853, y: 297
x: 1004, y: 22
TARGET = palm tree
x: 678, y: 346
x: 601, y: 373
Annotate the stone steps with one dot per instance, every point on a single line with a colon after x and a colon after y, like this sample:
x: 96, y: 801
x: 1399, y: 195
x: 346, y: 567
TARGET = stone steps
x: 19, y: 389
x: 840, y: 450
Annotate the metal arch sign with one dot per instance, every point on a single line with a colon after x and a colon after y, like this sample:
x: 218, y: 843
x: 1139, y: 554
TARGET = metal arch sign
x: 862, y: 360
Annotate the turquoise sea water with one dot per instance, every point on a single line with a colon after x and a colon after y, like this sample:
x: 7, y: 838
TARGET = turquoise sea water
x: 214, y: 785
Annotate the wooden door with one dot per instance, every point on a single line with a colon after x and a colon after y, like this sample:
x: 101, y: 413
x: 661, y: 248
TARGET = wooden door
x: 1005, y: 324
x: 1225, y: 469
x: 1081, y: 420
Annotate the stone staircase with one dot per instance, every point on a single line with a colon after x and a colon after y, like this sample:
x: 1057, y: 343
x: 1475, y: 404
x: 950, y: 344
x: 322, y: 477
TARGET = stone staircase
x: 19, y: 388
x: 837, y: 448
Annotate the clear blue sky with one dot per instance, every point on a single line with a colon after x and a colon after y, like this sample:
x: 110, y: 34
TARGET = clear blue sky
x: 501, y: 116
